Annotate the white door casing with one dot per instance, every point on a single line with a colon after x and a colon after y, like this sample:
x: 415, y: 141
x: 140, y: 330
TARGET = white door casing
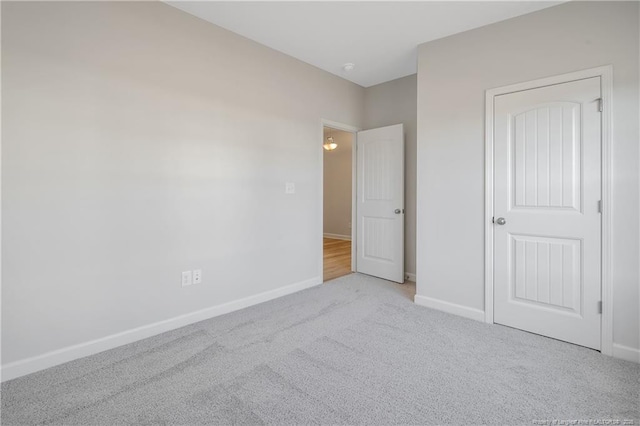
x: 380, y: 202
x: 547, y: 187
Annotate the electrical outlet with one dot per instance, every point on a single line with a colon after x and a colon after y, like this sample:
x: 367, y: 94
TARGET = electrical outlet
x: 197, y: 276
x: 289, y: 188
x: 186, y: 278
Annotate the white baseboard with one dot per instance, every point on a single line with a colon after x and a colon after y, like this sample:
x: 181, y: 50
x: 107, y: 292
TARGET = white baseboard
x: 626, y: 353
x: 410, y: 277
x: 338, y: 237
x: 452, y: 308
x: 60, y: 356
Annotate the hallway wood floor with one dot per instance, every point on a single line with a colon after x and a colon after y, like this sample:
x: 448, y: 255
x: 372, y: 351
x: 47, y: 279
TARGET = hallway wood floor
x: 337, y: 258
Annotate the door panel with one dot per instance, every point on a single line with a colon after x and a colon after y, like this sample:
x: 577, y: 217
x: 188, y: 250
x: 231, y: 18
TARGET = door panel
x: 547, y: 156
x: 547, y: 271
x: 547, y: 187
x: 380, y: 189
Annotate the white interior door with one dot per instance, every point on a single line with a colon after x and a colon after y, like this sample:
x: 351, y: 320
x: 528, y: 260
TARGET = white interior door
x: 380, y: 202
x: 547, y: 186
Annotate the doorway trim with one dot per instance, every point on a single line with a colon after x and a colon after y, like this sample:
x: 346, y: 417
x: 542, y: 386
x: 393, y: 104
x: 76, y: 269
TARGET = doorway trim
x: 354, y: 130
x: 606, y: 86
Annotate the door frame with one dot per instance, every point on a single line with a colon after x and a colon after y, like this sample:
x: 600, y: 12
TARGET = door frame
x: 606, y: 86
x: 354, y: 131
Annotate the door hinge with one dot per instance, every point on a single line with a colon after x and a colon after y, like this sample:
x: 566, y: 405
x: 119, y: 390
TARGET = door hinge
x: 600, y: 307
x: 599, y: 206
x: 600, y: 107
x: 493, y: 219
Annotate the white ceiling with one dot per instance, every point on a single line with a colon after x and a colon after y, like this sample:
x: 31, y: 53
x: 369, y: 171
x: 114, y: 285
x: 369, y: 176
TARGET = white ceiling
x: 380, y: 38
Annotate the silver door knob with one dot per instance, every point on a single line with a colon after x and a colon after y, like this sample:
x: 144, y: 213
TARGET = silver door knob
x: 501, y: 221
x: 397, y: 211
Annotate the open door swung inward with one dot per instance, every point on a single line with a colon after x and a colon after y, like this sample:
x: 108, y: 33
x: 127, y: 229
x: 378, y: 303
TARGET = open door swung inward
x: 380, y: 202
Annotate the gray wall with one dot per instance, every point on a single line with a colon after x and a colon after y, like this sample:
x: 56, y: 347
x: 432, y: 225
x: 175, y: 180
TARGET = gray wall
x: 139, y: 142
x: 337, y: 184
x: 390, y: 103
x: 453, y: 74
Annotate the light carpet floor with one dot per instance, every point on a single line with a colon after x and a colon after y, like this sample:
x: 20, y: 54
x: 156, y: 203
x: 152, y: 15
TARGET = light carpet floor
x: 352, y: 351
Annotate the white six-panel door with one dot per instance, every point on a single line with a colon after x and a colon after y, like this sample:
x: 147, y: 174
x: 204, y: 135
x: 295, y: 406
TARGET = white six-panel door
x: 547, y: 187
x: 380, y: 202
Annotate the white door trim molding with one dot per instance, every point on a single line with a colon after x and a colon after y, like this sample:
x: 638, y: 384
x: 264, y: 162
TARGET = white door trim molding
x: 354, y: 130
x: 606, y: 80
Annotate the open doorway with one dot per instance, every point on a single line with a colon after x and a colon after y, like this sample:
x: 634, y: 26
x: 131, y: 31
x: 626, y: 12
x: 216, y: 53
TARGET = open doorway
x: 337, y: 202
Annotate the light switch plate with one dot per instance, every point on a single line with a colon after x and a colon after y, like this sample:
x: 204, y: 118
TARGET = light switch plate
x: 186, y: 278
x: 289, y: 188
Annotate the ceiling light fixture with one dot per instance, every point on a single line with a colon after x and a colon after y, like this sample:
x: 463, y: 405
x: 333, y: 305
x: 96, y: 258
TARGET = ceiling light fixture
x: 330, y: 145
x: 348, y: 67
